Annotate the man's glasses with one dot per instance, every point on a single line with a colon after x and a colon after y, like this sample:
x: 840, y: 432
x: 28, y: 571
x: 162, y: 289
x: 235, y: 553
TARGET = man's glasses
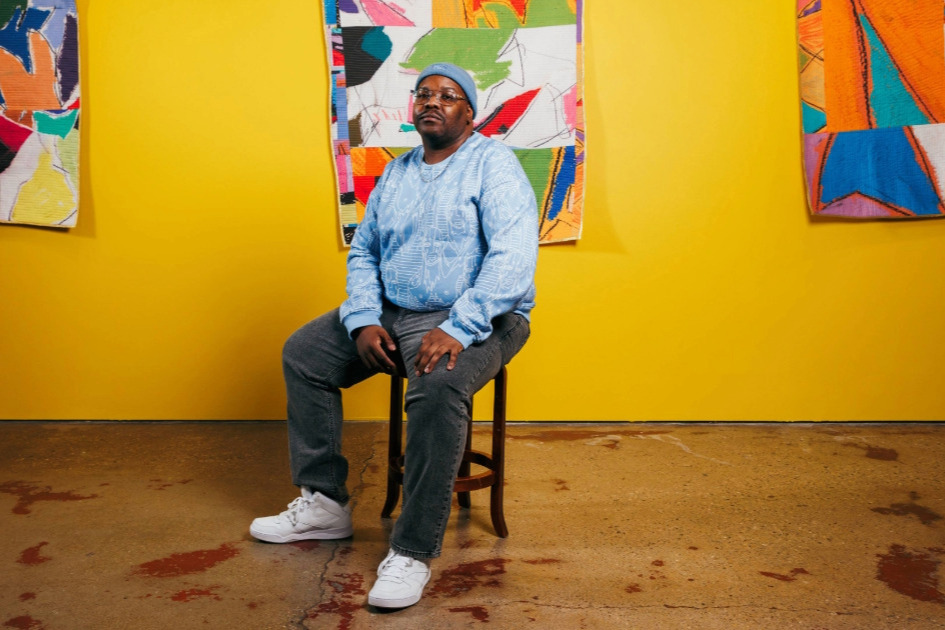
x: 423, y: 95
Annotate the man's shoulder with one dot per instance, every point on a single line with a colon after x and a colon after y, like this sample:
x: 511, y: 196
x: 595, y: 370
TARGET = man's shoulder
x: 486, y: 146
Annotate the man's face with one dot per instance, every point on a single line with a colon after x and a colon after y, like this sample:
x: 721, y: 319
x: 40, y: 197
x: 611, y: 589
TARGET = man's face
x: 436, y: 120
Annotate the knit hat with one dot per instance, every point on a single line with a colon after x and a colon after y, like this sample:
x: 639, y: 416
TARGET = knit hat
x: 457, y: 74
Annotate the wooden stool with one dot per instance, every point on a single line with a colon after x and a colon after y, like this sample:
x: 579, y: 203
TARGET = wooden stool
x: 493, y: 477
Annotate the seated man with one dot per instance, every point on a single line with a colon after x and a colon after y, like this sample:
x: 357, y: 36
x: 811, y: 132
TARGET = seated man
x: 440, y: 279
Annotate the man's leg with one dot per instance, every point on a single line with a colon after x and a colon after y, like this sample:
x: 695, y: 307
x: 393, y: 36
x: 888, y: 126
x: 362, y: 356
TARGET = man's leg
x: 437, y: 406
x: 318, y: 360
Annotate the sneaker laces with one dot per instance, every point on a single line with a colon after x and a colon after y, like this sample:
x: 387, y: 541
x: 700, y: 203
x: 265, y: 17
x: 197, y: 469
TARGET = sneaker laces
x: 395, y: 567
x: 299, y: 504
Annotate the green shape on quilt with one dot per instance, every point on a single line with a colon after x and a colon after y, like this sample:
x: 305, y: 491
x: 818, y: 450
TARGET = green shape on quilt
x: 69, y: 155
x: 55, y: 125
x: 802, y: 57
x: 476, y: 50
x: 537, y: 166
x: 546, y: 13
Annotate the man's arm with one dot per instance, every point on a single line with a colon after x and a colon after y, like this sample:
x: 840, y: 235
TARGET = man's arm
x: 509, y: 220
x: 363, y: 306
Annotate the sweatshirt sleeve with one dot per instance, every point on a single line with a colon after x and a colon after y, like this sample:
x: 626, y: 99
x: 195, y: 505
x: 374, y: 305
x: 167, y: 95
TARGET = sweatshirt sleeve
x: 363, y: 306
x: 509, y: 220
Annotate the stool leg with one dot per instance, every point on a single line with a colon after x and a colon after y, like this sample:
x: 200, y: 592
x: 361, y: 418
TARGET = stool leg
x: 394, y: 447
x: 498, y: 455
x: 465, y: 467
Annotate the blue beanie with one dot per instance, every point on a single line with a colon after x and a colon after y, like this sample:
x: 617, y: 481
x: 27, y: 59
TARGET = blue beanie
x: 457, y: 74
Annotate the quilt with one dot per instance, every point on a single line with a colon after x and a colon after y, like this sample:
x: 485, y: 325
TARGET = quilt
x: 872, y: 79
x: 39, y: 112
x: 526, y: 59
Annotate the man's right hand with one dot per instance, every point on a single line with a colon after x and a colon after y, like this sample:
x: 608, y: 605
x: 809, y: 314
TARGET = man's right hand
x: 374, y: 343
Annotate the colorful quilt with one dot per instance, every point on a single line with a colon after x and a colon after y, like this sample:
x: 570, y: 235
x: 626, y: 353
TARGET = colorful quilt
x: 873, y: 106
x: 526, y: 59
x: 39, y: 112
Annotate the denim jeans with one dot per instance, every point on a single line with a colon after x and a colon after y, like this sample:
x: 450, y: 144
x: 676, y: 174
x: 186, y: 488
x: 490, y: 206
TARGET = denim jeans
x: 320, y: 359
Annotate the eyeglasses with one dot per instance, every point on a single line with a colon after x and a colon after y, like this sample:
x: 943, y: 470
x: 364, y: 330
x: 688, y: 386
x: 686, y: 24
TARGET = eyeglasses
x: 423, y: 95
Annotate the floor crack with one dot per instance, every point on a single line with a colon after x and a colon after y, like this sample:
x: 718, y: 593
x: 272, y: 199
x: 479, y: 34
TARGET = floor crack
x: 322, y: 586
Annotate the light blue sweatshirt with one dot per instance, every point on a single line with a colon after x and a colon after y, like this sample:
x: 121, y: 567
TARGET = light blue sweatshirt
x: 459, y: 235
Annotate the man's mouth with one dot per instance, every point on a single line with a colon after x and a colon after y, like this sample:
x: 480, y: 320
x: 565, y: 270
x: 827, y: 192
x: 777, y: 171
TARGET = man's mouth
x: 429, y: 116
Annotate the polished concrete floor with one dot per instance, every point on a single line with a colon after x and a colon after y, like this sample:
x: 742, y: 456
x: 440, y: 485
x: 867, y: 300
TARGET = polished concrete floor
x: 652, y: 526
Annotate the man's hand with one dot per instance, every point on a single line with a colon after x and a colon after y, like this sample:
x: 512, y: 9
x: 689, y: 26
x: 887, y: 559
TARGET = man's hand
x: 374, y: 343
x: 433, y: 346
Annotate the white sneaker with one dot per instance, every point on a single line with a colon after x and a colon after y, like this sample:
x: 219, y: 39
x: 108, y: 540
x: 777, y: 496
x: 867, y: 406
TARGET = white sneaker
x: 311, y: 516
x: 400, y: 582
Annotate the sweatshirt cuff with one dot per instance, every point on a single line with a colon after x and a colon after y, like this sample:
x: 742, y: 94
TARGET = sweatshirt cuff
x: 358, y: 320
x: 456, y: 333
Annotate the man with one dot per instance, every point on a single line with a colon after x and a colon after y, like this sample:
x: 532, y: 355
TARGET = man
x: 440, y: 280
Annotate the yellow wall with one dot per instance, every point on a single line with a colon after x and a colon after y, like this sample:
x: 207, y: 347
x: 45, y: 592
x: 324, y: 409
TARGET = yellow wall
x: 700, y: 291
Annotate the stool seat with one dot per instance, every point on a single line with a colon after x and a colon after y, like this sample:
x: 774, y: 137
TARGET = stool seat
x: 466, y: 482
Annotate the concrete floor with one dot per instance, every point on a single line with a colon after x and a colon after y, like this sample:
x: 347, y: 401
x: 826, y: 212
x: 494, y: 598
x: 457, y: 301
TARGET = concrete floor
x: 652, y: 526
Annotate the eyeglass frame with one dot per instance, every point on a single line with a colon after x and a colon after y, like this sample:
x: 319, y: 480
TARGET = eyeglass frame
x: 421, y: 98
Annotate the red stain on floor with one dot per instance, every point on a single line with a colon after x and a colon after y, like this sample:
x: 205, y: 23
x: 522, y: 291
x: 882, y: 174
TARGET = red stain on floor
x: 561, y: 485
x: 32, y: 556
x: 30, y: 494
x: 913, y: 573
x: 194, y: 593
x: 346, y: 600
x: 479, y: 613
x: 27, y: 596
x: 160, y: 484
x: 924, y: 514
x: 634, y: 588
x: 178, y: 564
x: 543, y: 561
x: 785, y: 578
x: 24, y: 622
x: 305, y: 545
x: 464, y: 577
x: 876, y: 452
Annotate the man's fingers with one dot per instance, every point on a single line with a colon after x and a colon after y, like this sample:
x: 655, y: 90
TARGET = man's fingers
x: 384, y: 361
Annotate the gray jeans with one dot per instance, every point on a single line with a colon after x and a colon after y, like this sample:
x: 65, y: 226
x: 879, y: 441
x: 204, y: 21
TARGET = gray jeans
x: 319, y: 360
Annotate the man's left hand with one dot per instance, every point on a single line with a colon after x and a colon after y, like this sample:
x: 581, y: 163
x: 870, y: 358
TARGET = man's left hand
x: 433, y: 346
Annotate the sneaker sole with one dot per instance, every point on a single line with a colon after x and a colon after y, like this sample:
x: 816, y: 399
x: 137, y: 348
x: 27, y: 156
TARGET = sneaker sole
x: 322, y: 534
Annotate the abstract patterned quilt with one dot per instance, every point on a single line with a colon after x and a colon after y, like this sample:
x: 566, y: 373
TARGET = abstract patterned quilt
x: 39, y: 112
x: 873, y: 106
x: 526, y: 59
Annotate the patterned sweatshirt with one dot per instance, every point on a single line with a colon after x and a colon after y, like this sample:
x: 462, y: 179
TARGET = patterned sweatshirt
x: 460, y: 235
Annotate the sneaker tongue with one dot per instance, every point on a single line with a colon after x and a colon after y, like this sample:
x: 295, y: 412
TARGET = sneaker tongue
x: 307, y: 494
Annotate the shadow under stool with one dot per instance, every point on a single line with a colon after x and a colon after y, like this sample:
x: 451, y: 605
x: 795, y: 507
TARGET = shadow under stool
x: 494, y: 475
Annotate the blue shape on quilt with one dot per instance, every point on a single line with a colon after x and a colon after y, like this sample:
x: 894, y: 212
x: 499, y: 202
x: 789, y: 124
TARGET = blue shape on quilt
x: 564, y: 179
x: 13, y: 36
x: 880, y: 164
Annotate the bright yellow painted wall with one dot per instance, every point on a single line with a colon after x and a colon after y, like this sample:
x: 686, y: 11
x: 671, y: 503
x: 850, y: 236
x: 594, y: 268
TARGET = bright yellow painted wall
x: 700, y: 291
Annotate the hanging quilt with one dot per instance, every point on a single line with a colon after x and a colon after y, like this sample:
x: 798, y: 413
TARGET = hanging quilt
x: 873, y: 106
x: 526, y: 59
x: 39, y: 112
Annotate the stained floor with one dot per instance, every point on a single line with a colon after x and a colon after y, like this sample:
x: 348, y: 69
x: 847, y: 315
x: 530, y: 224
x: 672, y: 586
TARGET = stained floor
x: 651, y: 526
